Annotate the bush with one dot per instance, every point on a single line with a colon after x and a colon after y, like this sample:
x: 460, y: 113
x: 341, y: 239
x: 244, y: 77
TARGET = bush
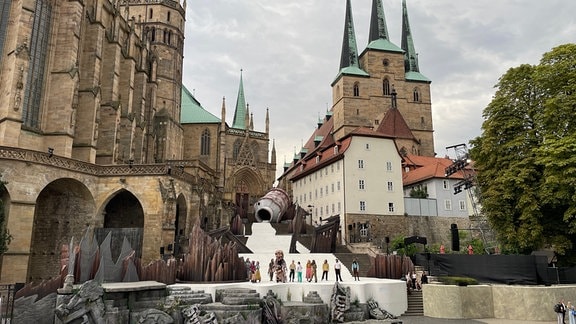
x: 458, y: 281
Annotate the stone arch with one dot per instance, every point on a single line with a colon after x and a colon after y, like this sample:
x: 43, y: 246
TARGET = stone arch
x: 5, y: 202
x: 247, y: 187
x: 64, y: 209
x: 181, y: 226
x: 123, y: 217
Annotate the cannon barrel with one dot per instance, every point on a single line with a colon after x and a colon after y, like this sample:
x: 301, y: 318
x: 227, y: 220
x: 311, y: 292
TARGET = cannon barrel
x: 272, y: 206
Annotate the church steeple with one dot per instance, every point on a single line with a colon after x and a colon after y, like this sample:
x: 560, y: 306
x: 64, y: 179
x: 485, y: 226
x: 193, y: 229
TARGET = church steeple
x: 379, y: 39
x: 273, y: 154
x: 378, y: 28
x: 410, y: 56
x: 349, y: 55
x: 267, y: 122
x: 240, y: 112
x: 349, y: 63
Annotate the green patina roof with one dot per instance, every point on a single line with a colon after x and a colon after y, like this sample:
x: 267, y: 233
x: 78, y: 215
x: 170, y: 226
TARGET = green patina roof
x: 318, y: 138
x: 384, y: 45
x: 192, y: 111
x: 416, y: 76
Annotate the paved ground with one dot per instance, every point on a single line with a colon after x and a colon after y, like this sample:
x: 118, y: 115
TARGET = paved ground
x: 430, y: 320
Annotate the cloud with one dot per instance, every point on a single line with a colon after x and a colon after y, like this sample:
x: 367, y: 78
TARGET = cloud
x: 290, y: 51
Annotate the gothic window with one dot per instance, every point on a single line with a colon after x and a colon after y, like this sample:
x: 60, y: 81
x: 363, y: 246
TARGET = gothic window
x: 153, y: 34
x: 416, y: 95
x: 356, y: 89
x: 4, y: 12
x: 38, y: 50
x: 236, y: 150
x: 205, y: 143
x: 150, y: 14
x: 386, y: 87
x: 168, y: 16
x: 169, y: 41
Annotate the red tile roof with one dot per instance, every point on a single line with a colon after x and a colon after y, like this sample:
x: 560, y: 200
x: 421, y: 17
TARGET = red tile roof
x: 422, y: 168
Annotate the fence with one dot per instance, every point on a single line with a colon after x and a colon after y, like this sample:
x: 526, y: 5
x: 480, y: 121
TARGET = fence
x: 7, y: 293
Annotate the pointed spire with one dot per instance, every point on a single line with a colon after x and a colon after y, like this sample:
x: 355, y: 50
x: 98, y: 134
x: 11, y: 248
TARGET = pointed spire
x: 251, y: 121
x: 378, y: 28
x: 223, y: 113
x: 240, y: 112
x: 267, y: 122
x: 349, y: 56
x: 410, y: 55
x: 273, y: 154
x: 247, y: 117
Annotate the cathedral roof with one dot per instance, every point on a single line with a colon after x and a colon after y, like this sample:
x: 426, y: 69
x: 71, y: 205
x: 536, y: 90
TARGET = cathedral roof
x: 241, y: 109
x: 192, y: 112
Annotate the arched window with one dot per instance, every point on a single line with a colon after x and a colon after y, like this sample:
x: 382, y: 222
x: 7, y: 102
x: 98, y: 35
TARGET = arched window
x: 152, y: 34
x: 168, y: 16
x: 205, y: 143
x: 236, y: 150
x: 416, y: 95
x: 356, y: 89
x: 386, y: 87
x: 150, y: 14
x: 38, y: 47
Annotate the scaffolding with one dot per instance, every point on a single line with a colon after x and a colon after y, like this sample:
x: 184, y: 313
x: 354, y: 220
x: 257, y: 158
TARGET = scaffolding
x: 479, y: 222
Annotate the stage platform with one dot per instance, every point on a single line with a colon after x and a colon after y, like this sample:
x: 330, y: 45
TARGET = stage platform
x: 390, y: 294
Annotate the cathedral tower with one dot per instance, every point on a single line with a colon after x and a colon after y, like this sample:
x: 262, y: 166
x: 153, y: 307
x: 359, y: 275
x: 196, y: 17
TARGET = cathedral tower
x: 363, y: 88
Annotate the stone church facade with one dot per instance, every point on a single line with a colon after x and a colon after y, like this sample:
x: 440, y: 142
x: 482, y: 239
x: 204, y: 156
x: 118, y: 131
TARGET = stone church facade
x: 92, y: 134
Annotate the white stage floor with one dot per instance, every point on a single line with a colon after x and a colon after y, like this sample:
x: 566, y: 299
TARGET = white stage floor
x: 390, y: 294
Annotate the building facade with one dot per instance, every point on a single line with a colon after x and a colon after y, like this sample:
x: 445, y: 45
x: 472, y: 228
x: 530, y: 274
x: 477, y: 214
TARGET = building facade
x: 92, y: 133
x: 381, y: 114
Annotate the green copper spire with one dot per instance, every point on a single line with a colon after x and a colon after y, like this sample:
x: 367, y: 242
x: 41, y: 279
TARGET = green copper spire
x: 410, y: 56
x: 240, y: 112
x: 378, y: 28
x: 349, y: 55
x: 379, y: 37
x: 349, y: 58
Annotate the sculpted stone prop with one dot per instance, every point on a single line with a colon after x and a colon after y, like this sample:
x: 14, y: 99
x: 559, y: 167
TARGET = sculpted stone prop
x: 378, y: 313
x: 86, y: 304
x: 192, y: 315
x: 339, y: 302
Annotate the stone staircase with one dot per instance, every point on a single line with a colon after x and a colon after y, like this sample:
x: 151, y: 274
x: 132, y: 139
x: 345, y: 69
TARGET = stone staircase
x: 363, y: 260
x: 415, y: 304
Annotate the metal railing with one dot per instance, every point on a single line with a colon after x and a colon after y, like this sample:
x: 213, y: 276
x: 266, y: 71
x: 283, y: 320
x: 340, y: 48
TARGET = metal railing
x: 7, y: 292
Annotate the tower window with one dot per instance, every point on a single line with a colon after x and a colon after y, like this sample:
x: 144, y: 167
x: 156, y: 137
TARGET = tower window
x: 356, y: 89
x: 150, y: 13
x: 386, y: 87
x: 416, y: 95
x: 385, y: 62
x: 205, y: 143
x: 168, y: 16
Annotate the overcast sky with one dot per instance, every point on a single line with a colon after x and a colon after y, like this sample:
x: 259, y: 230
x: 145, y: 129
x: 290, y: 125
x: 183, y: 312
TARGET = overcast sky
x: 289, y: 52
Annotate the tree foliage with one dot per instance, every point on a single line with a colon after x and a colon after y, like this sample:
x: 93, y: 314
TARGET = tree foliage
x: 526, y: 155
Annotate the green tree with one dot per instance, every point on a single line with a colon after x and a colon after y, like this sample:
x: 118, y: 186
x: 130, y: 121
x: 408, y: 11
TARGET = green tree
x: 526, y: 155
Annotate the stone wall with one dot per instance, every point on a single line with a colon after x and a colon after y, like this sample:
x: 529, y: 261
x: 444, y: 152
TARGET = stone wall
x: 534, y: 303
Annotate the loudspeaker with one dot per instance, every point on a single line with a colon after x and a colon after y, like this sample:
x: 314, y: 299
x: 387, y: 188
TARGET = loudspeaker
x: 455, y: 237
